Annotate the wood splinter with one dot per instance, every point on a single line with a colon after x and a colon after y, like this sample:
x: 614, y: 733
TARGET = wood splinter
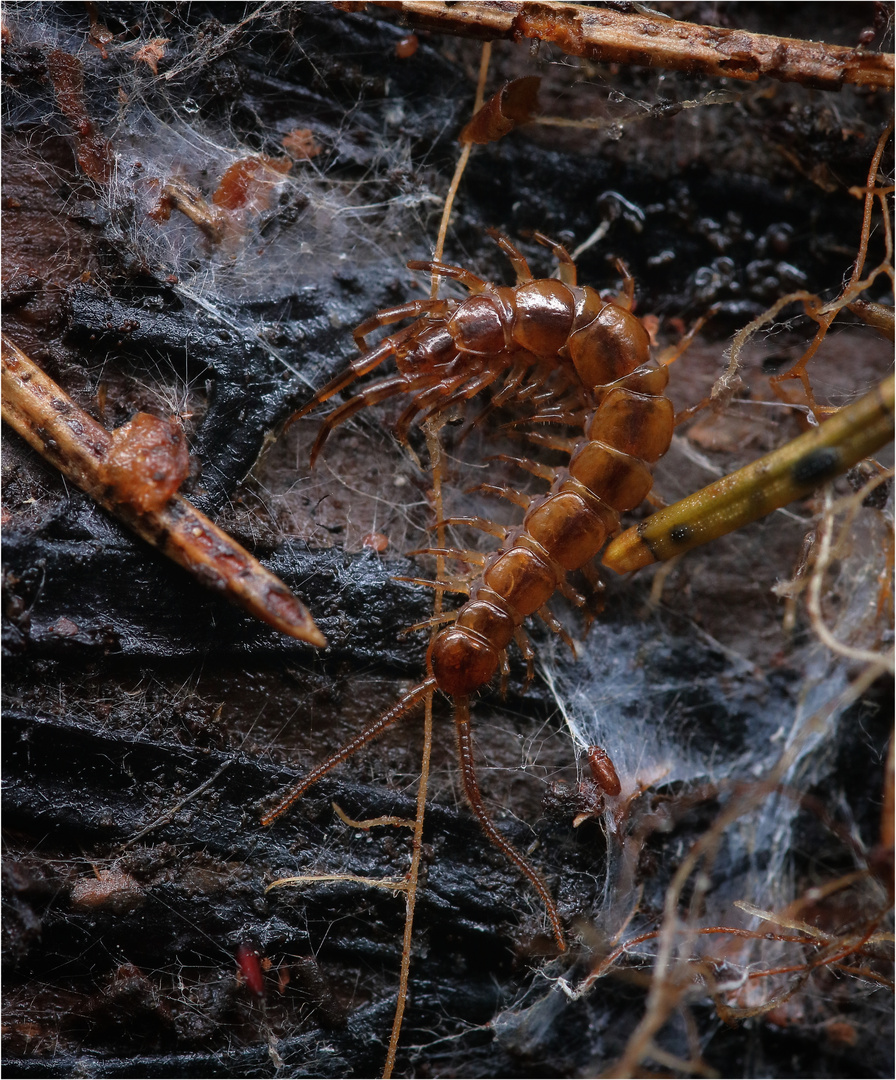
x: 134, y: 473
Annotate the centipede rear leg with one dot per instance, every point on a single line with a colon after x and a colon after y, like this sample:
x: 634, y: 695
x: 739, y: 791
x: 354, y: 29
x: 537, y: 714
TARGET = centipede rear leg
x: 474, y: 799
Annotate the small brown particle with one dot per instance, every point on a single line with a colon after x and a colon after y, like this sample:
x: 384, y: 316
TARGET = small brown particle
x: 406, y: 46
x: 249, y: 183
x: 299, y: 143
x: 111, y: 889
x: 375, y: 541
x: 151, y: 53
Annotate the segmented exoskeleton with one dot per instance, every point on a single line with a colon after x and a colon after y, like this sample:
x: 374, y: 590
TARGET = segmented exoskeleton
x: 607, y: 384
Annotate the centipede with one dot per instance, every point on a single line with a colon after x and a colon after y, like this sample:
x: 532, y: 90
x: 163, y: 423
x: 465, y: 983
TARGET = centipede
x: 596, y: 354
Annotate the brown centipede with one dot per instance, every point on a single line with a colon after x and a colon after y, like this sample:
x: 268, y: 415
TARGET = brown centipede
x: 527, y: 333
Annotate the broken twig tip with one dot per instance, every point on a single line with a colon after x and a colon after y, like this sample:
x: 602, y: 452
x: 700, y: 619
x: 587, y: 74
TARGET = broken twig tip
x: 134, y: 473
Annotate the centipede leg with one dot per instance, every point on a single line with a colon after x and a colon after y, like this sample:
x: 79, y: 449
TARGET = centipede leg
x: 627, y: 298
x: 411, y: 309
x: 516, y: 257
x: 553, y: 442
x: 467, y: 555
x: 543, y: 472
x: 525, y: 646
x: 475, y: 523
x: 469, y: 280
x: 572, y: 594
x: 433, y: 620
x: 425, y: 399
x: 372, y: 395
x: 474, y: 798
x: 470, y: 390
x: 504, y: 668
x: 439, y: 398
x: 566, y: 268
x: 361, y: 365
x: 553, y: 623
x: 671, y: 354
x: 517, y: 374
x: 518, y: 498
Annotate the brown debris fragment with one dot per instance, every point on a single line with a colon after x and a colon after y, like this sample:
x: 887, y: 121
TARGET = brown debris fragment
x: 249, y: 183
x: 147, y: 463
x: 94, y: 154
x: 300, y: 144
x: 406, y: 46
x: 98, y: 462
x: 177, y: 194
x: 151, y: 53
x: 647, y: 40
x: 99, y: 35
x: 511, y: 106
x: 110, y: 889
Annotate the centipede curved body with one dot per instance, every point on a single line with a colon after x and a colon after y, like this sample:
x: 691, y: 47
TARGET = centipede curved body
x: 595, y: 354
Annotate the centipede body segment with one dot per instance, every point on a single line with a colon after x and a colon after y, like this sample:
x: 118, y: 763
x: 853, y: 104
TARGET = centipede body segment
x: 586, y: 361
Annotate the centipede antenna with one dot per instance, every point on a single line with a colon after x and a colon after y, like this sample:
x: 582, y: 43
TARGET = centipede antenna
x: 401, y: 708
x: 474, y: 798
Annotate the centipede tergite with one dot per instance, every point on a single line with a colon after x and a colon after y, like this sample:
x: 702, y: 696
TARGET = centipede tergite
x: 596, y: 352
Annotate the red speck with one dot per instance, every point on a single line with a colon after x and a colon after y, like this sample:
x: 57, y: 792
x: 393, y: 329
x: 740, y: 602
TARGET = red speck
x: 406, y: 46
x: 250, y: 967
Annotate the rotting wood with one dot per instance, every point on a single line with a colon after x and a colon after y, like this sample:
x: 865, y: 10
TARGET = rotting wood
x: 134, y: 473
x: 648, y: 40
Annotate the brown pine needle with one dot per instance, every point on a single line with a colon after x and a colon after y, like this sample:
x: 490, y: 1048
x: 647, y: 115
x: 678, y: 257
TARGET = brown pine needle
x: 650, y: 39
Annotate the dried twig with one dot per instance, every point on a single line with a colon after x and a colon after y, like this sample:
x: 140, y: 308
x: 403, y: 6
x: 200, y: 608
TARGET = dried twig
x: 134, y: 473
x: 788, y: 473
x: 650, y: 40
